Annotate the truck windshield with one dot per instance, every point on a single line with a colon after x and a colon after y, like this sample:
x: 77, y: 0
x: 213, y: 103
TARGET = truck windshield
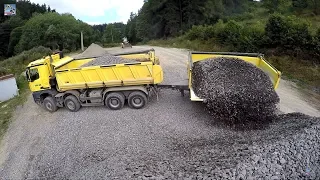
x: 34, y: 74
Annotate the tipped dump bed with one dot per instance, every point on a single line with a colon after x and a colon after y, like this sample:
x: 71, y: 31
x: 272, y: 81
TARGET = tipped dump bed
x: 255, y: 59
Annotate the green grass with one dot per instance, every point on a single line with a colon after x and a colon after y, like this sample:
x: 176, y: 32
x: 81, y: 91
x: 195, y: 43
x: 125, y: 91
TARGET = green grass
x: 195, y: 45
x: 16, y: 65
x: 301, y: 71
x: 7, y: 108
x: 261, y: 15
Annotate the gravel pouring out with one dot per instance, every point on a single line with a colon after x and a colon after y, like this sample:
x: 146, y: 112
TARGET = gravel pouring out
x: 237, y: 92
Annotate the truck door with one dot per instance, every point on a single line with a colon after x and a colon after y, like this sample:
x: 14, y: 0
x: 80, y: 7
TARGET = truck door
x: 38, y: 78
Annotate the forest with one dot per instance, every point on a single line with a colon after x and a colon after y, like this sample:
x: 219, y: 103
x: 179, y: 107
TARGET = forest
x: 270, y: 26
x: 277, y: 26
x: 39, y: 25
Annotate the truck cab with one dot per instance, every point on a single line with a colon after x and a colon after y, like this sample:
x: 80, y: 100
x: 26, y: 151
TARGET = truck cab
x: 58, y: 82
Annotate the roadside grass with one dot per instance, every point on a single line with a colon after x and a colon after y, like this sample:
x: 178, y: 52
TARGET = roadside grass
x: 16, y: 65
x: 303, y: 72
x: 195, y: 45
x: 297, y: 70
x: 7, y: 108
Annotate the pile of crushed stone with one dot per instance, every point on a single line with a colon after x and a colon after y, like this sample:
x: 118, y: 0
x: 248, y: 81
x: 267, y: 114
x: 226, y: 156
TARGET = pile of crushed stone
x: 102, y: 57
x: 108, y: 59
x: 237, y: 92
x: 93, y: 50
x: 287, y: 149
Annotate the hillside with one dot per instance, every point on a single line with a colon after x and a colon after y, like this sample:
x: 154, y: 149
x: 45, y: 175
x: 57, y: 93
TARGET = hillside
x: 286, y: 31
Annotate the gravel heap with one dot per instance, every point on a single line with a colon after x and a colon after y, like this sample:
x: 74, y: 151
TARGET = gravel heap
x: 93, y: 50
x: 108, y: 59
x: 288, y: 149
x: 102, y: 57
x: 237, y: 92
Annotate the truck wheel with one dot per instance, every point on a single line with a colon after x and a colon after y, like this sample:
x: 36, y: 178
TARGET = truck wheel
x: 72, y: 103
x: 50, y: 104
x: 115, y: 101
x: 137, y: 100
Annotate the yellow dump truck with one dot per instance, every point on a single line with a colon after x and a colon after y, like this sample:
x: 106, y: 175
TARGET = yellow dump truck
x: 57, y: 81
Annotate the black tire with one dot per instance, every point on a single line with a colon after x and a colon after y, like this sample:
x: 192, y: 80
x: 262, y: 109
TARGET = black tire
x: 115, y: 101
x: 50, y: 104
x: 72, y: 103
x: 137, y: 100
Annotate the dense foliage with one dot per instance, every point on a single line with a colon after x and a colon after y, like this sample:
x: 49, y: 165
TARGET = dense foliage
x: 8, y: 25
x: 217, y: 21
x: 221, y: 22
x: 55, y: 31
x: 39, y: 25
x: 163, y: 18
x: 280, y: 35
x: 17, y: 64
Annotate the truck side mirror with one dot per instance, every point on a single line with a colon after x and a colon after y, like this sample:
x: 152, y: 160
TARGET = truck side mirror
x: 27, y: 76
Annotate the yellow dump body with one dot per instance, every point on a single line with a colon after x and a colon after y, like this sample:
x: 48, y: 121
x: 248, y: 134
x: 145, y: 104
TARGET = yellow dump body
x: 70, y: 63
x: 144, y: 73
x: 141, y: 56
x: 255, y: 59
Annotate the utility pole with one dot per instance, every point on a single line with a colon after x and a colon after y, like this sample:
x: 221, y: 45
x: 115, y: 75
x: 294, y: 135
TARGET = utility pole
x: 180, y: 15
x: 112, y: 34
x: 82, y: 48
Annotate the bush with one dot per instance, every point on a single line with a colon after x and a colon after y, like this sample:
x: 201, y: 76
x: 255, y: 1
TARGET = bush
x: 17, y: 64
x: 230, y: 34
x: 252, y: 38
x: 289, y: 33
x: 196, y: 32
x: 316, y: 43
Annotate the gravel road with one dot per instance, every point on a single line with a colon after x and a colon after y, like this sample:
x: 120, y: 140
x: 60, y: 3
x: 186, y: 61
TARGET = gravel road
x: 172, y: 138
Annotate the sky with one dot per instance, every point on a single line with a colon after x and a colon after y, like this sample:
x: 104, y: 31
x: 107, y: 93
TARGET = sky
x: 95, y: 11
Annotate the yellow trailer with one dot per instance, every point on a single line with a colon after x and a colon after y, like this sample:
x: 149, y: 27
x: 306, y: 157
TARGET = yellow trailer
x: 57, y: 82
x: 253, y: 58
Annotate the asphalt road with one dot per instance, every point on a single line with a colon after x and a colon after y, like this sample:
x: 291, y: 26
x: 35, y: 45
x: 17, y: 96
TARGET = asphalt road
x: 171, y: 138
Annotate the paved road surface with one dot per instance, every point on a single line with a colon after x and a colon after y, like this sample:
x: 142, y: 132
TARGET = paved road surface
x: 169, y: 138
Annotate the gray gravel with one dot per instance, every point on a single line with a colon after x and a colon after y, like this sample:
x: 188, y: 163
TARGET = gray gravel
x: 102, y: 57
x: 93, y: 50
x: 173, y: 138
x: 108, y: 59
x: 237, y: 92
